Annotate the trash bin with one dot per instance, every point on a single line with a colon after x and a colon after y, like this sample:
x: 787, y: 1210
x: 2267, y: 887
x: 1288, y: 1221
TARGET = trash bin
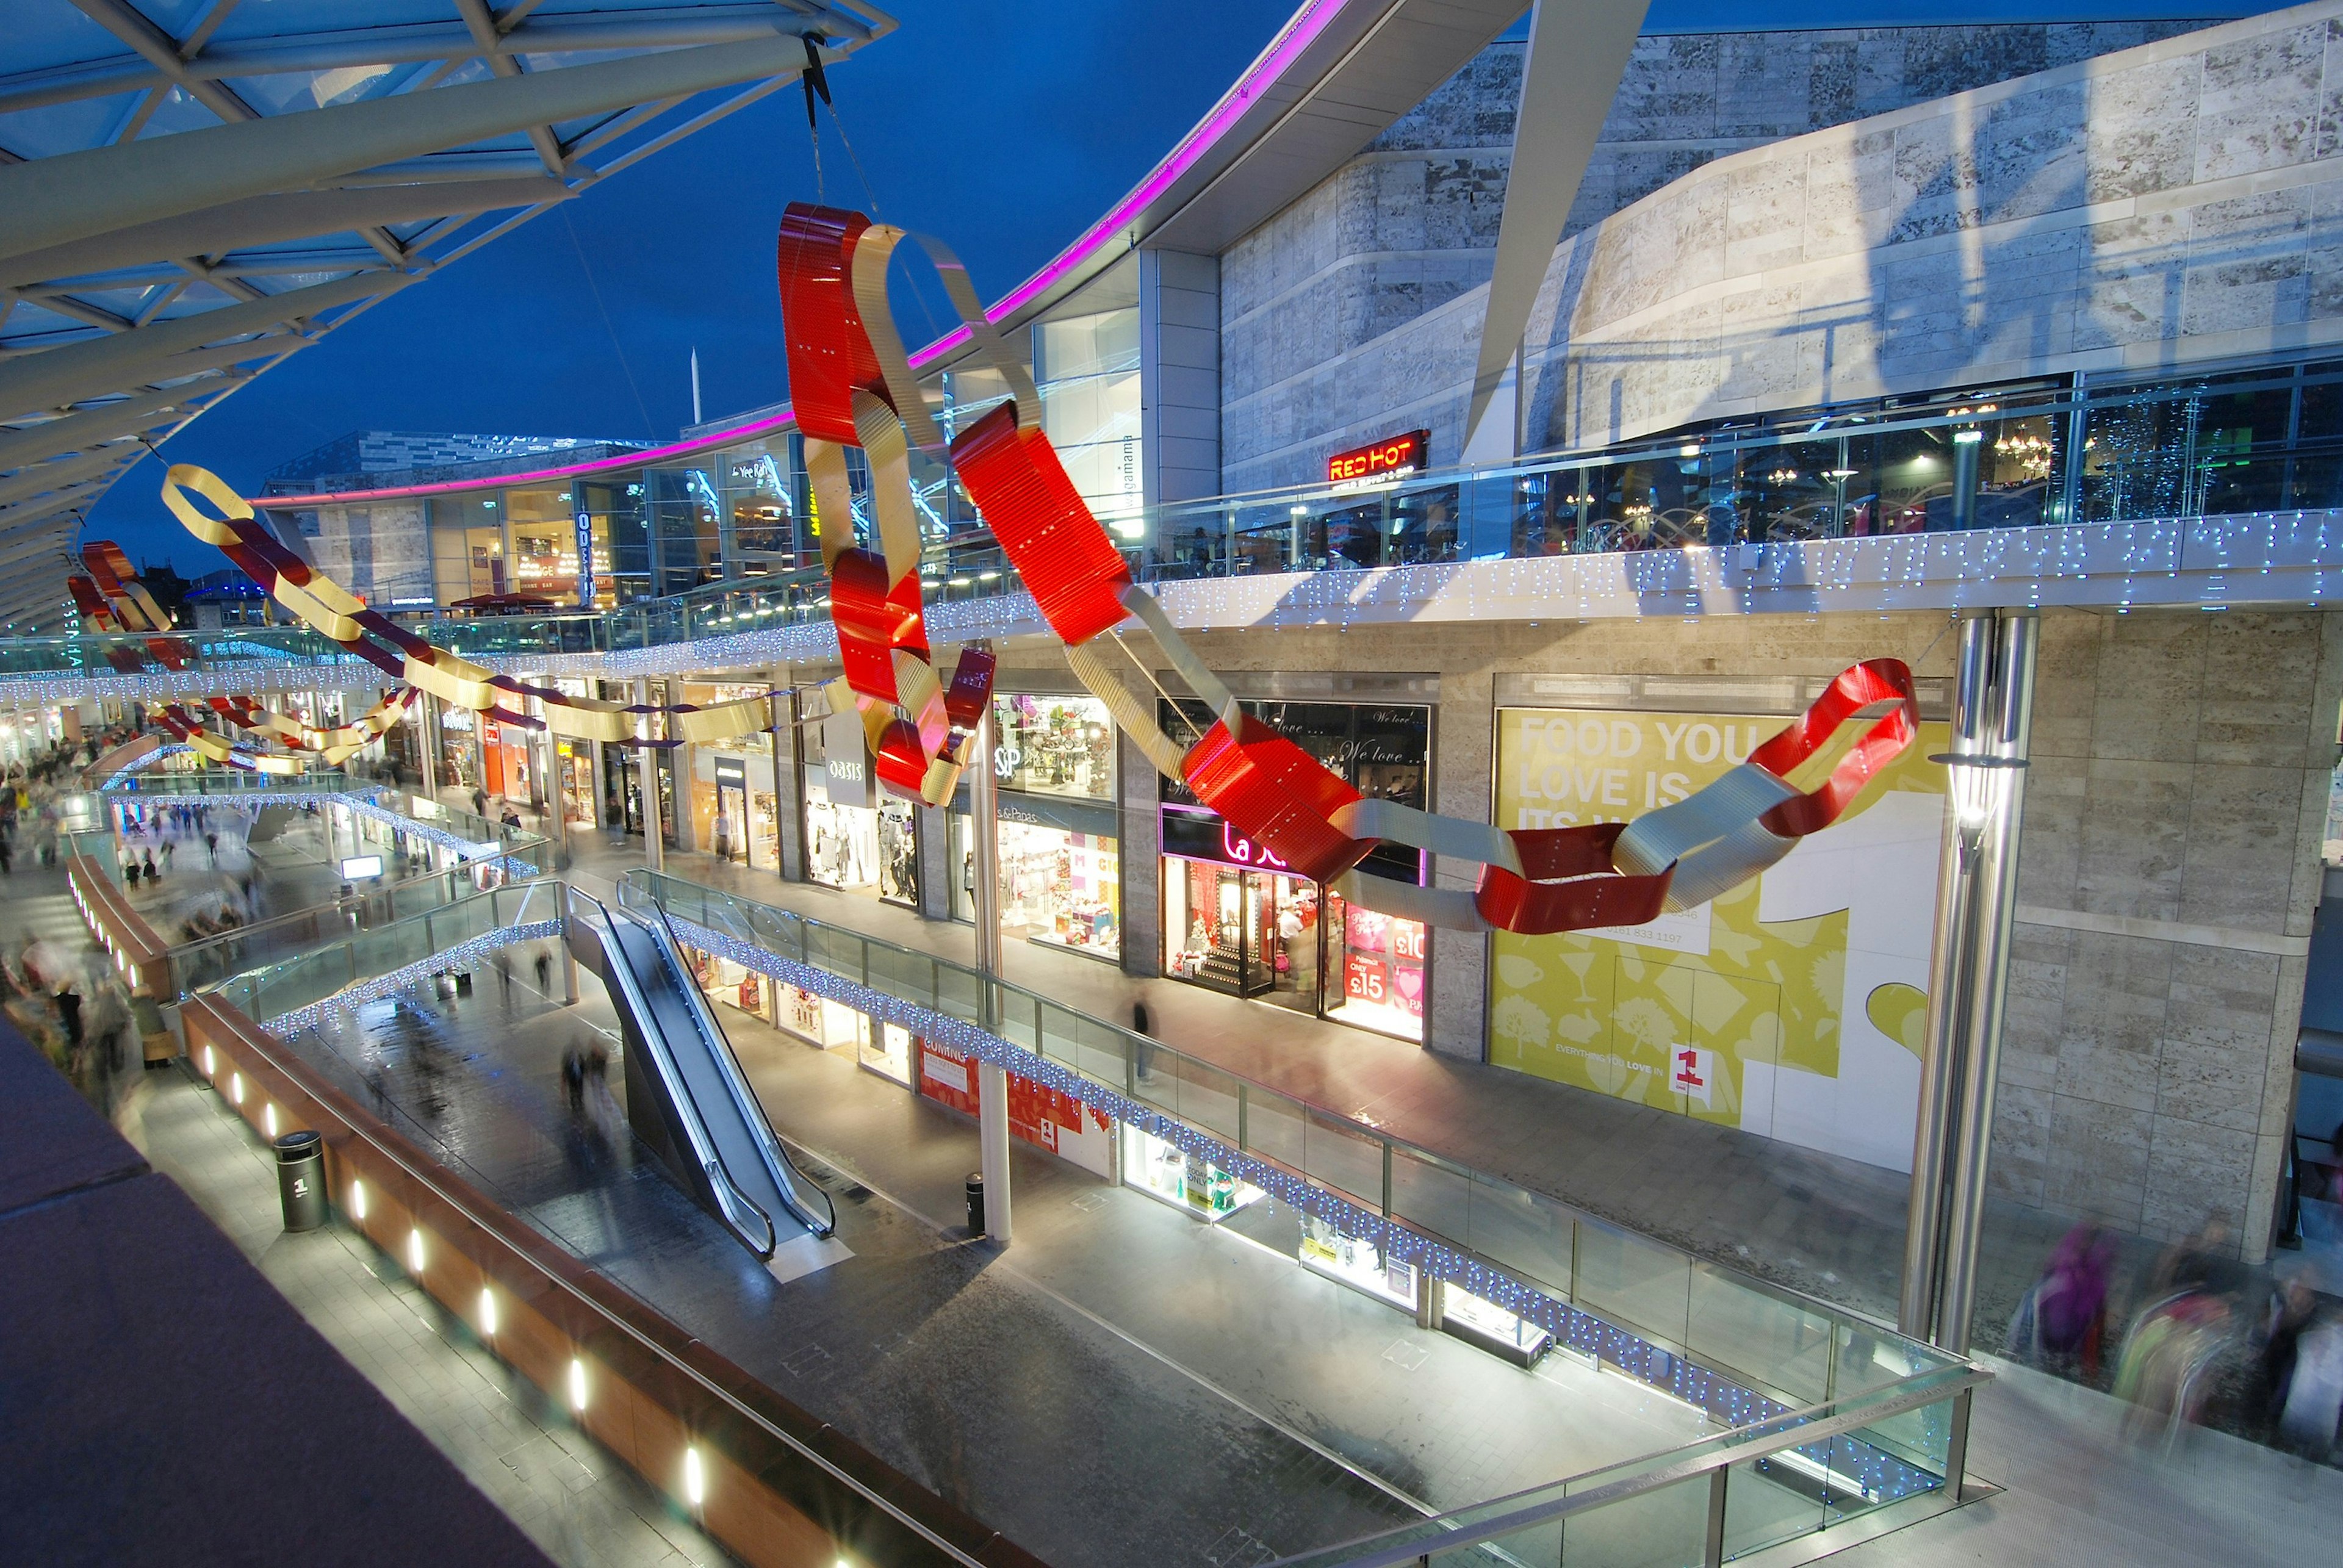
x: 976, y: 1202
x: 301, y: 1180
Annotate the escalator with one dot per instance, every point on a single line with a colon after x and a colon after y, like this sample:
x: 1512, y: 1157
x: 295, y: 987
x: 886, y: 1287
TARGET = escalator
x: 686, y: 1096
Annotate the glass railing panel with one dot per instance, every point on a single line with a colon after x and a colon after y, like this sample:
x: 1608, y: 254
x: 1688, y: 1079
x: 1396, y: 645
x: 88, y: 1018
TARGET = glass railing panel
x: 959, y: 993
x: 1060, y: 1035
x: 902, y: 973
x: 1338, y: 1155
x: 1017, y: 1016
x: 1770, y: 1501
x: 1666, y: 1528
x: 1518, y: 1229
x: 1784, y: 1348
x: 1274, y: 1126
x: 1203, y: 1096
x: 1106, y: 1054
x: 1635, y: 1281
x: 1536, y: 1546
x: 1432, y: 1194
x: 1921, y: 1437
x: 836, y: 951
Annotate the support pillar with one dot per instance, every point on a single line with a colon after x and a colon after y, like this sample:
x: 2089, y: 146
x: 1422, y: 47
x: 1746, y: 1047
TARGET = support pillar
x: 647, y: 781
x: 993, y: 1093
x: 1968, y: 973
x: 427, y: 731
x: 789, y: 785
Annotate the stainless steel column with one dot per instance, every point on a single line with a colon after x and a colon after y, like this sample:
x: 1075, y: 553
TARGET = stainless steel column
x: 647, y: 781
x: 1992, y: 718
x: 992, y: 1095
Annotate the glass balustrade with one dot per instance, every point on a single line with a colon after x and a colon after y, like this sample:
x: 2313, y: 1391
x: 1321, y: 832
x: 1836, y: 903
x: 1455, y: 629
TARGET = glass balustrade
x: 1769, y: 1341
x: 2252, y: 440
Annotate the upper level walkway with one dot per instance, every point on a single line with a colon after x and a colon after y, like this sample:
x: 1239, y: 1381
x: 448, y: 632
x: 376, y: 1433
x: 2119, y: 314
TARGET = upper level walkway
x: 2126, y: 496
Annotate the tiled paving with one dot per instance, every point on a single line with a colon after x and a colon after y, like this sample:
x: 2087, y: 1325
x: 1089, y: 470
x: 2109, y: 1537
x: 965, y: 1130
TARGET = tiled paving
x: 583, y: 1508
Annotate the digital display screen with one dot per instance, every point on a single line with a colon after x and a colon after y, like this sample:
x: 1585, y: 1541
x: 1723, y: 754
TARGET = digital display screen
x: 359, y: 865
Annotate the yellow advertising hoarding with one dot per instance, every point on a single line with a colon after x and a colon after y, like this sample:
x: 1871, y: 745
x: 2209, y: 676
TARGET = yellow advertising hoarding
x: 1791, y: 1007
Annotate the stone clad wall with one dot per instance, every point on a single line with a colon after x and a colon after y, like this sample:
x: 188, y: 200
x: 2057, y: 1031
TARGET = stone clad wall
x: 2168, y: 871
x: 2166, y: 879
x: 2178, y: 200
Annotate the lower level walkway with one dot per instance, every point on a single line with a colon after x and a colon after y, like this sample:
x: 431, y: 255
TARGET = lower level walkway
x: 1830, y: 1227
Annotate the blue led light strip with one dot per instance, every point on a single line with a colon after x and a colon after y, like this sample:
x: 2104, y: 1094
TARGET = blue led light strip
x: 1883, y: 1477
x: 350, y: 998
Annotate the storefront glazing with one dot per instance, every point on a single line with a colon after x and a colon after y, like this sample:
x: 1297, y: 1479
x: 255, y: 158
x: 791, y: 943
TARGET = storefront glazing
x: 856, y: 839
x: 1238, y: 920
x: 1061, y: 863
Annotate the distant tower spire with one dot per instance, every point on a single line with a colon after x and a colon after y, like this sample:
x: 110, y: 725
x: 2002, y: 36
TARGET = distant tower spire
x: 695, y: 385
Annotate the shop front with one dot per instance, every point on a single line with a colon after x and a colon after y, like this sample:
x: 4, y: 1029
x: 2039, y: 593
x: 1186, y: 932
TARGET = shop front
x: 506, y: 771
x: 459, y: 746
x: 1061, y: 861
x: 1187, y: 1181
x: 1237, y: 920
x: 575, y: 761
x: 856, y: 839
x: 1061, y: 873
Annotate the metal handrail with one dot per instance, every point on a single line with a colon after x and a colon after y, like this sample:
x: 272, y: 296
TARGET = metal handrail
x: 727, y: 1192
x: 1798, y: 1429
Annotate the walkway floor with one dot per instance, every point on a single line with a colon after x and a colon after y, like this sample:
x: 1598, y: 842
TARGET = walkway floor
x: 1123, y: 1385
x: 582, y: 1507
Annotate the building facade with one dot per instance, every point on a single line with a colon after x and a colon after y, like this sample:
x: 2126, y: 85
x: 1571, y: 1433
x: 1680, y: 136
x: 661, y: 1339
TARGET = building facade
x: 1926, y: 283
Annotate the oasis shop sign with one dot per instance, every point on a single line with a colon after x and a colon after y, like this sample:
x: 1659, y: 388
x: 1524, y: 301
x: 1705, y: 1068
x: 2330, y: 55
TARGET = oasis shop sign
x: 845, y: 766
x: 1379, y: 462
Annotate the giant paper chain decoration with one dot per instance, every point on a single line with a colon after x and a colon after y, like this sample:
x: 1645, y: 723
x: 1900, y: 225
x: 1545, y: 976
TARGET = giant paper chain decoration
x: 919, y: 756
x: 323, y: 605
x: 851, y: 387
x: 111, y: 598
x: 851, y: 384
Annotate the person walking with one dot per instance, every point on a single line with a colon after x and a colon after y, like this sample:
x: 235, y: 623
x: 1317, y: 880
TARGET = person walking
x: 211, y: 847
x: 1142, y: 1025
x: 543, y: 966
x: 573, y: 1080
x: 68, y: 1003
x: 480, y: 801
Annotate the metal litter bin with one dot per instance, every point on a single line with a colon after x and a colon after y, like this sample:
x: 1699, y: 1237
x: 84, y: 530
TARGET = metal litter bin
x: 976, y: 1202
x: 301, y: 1180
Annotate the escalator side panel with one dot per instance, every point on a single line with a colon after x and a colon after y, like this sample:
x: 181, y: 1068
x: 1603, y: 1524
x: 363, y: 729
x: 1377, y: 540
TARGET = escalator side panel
x: 651, y: 1110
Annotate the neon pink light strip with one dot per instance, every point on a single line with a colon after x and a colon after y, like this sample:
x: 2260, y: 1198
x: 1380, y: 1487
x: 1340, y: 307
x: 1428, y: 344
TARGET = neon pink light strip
x: 1284, y: 50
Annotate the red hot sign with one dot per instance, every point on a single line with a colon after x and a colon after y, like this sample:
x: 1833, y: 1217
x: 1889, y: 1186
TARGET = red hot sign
x: 1388, y: 459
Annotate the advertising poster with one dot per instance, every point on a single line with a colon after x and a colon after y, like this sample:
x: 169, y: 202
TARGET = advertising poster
x: 1792, y: 1006
x: 1043, y: 1117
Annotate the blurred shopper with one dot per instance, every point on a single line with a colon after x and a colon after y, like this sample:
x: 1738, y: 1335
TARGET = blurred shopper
x: 2312, y: 1408
x: 2187, y: 1322
x: 2063, y: 1319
